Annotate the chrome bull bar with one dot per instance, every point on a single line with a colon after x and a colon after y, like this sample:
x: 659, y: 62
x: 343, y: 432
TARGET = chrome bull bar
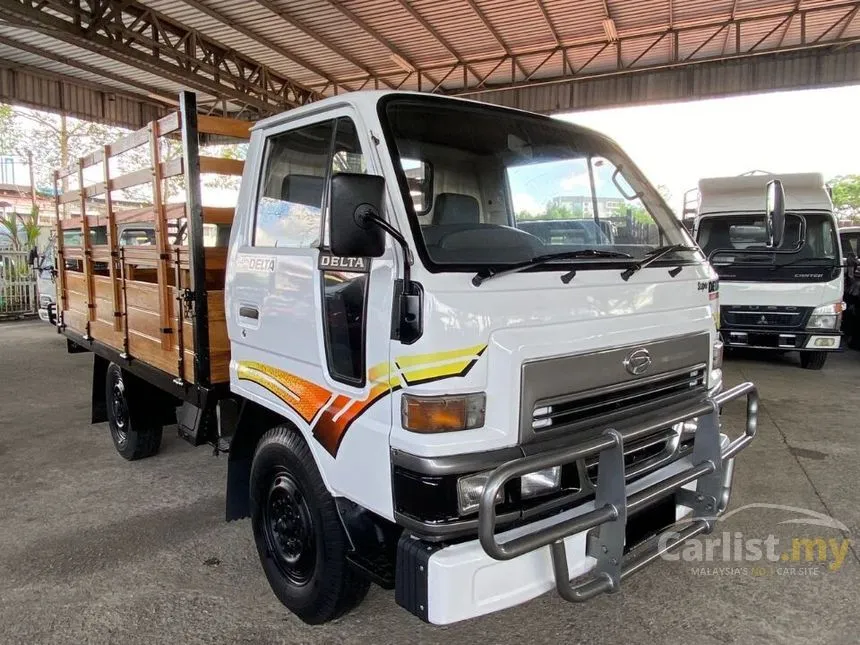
x: 711, y: 469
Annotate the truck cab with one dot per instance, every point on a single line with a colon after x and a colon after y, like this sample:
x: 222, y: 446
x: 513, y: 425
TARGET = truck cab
x: 476, y: 319
x: 784, y: 296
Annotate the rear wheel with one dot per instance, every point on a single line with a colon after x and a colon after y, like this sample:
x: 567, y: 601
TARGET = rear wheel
x: 135, y: 436
x: 299, y: 536
x: 813, y: 360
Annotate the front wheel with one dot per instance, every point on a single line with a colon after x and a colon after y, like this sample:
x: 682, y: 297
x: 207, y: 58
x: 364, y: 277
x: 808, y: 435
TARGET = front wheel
x: 135, y: 436
x: 813, y: 360
x: 298, y: 533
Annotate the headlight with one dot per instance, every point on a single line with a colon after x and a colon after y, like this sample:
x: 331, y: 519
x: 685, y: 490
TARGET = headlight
x: 430, y: 414
x: 540, y: 482
x: 826, y: 316
x: 469, y: 491
x: 470, y: 488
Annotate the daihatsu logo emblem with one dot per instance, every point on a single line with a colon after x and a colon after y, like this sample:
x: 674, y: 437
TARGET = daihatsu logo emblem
x: 638, y: 361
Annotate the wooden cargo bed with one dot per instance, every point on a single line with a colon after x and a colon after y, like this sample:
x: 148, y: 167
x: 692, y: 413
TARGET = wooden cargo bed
x: 158, y: 303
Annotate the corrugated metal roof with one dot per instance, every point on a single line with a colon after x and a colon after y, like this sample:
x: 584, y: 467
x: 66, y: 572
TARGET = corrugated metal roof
x: 328, y: 46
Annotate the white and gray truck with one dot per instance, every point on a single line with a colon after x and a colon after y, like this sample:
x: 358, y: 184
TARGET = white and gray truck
x: 462, y: 351
x: 781, y: 290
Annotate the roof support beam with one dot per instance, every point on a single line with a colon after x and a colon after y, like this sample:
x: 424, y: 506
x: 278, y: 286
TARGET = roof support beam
x: 157, y: 94
x: 551, y: 25
x: 439, y: 38
x: 378, y: 37
x: 489, y: 26
x: 236, y: 25
x: 721, y: 25
x: 155, y: 43
x: 310, y: 33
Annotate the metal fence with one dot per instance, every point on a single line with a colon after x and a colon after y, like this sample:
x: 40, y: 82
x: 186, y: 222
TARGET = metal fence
x: 17, y: 284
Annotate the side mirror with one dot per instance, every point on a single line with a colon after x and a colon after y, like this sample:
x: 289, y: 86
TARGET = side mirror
x: 775, y: 213
x: 356, y: 201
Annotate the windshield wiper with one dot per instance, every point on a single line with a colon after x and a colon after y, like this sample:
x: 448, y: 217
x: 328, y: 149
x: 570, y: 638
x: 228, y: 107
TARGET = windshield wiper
x: 482, y: 276
x: 652, y: 256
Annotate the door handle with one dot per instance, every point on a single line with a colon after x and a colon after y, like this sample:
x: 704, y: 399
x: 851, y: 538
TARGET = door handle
x: 246, y: 311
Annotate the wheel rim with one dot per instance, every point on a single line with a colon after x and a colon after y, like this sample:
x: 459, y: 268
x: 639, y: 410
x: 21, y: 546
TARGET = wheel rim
x: 119, y: 411
x: 288, y: 529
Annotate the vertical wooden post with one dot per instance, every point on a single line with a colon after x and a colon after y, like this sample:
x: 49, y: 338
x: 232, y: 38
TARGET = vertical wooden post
x: 161, y: 241
x: 88, y: 249
x: 113, y: 242
x: 62, y: 296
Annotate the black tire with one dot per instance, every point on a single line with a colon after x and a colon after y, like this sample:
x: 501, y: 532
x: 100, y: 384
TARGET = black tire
x: 135, y: 436
x: 299, y: 536
x: 813, y: 360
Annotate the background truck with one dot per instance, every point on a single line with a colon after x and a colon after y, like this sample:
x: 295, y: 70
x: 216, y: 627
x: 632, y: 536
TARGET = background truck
x: 414, y: 388
x: 780, y: 290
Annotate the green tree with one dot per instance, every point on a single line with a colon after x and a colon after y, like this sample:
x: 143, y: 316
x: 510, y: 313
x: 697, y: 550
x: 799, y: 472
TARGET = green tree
x: 846, y: 196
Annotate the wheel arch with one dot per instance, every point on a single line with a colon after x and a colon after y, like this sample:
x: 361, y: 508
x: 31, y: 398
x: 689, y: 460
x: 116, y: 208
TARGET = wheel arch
x: 254, y: 421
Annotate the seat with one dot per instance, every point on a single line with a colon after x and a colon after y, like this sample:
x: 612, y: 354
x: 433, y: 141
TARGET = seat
x: 303, y: 189
x: 451, y: 212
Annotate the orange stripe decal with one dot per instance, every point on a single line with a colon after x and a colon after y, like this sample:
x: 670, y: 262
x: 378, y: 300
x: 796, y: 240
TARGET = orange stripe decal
x: 308, y: 399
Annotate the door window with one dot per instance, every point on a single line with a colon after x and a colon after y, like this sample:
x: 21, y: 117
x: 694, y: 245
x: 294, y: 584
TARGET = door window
x: 289, y: 207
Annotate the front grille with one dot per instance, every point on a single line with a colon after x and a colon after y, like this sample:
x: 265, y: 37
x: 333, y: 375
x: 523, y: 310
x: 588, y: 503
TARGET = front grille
x: 624, y: 399
x: 751, y: 317
x: 641, y: 456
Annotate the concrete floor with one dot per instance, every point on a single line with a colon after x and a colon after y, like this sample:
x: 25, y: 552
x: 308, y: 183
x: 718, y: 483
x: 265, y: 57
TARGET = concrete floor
x: 98, y: 550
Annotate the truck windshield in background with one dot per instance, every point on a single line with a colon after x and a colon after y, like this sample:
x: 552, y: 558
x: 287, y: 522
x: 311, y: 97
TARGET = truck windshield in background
x: 510, y: 188
x: 742, y: 242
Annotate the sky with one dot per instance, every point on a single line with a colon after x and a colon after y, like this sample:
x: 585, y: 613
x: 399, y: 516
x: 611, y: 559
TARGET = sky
x: 677, y: 144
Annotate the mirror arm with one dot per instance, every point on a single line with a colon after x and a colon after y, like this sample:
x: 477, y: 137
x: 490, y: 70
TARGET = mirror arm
x: 404, y: 245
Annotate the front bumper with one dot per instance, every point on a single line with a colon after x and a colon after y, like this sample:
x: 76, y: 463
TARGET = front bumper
x: 580, y: 552
x: 818, y: 340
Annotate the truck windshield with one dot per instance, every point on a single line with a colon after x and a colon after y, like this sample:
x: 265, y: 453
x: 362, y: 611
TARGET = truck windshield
x: 746, y: 232
x: 492, y: 187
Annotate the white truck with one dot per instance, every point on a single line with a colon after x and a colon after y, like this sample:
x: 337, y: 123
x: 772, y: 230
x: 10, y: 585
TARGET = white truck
x: 780, y: 289
x: 416, y: 387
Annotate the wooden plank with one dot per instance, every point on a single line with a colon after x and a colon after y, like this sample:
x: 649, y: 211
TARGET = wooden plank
x: 75, y: 320
x: 136, y: 178
x: 150, y: 351
x: 218, y: 215
x: 78, y: 303
x: 133, y: 140
x: 113, y: 246
x: 168, y: 124
x: 101, y: 253
x: 73, y: 253
x: 219, y: 166
x: 147, y: 214
x: 216, y: 304
x: 144, y: 321
x: 219, y: 367
x: 75, y: 282
x: 224, y: 126
x: 96, y: 156
x: 104, y: 286
x: 70, y: 196
x: 218, y: 339
x: 70, y: 223
x: 167, y: 169
x: 143, y: 295
x: 105, y: 333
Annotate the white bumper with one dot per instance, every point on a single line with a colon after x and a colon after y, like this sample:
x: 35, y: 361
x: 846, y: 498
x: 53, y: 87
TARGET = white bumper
x: 464, y: 582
